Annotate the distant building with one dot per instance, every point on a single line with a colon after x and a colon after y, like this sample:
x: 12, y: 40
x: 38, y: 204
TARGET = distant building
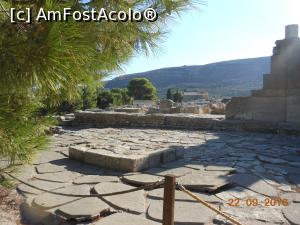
x: 195, y: 96
x: 144, y: 103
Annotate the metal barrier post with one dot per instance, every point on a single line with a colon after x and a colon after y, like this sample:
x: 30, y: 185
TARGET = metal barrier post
x: 169, y: 200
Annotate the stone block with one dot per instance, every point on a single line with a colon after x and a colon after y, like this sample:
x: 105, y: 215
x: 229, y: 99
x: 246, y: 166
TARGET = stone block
x: 93, y: 158
x: 291, y: 31
x: 154, y: 120
x: 293, y: 109
x: 268, y: 109
x: 133, y: 164
x: 239, y: 108
x: 269, y: 93
x: 169, y: 155
x: 155, y: 159
x: 76, y: 152
x: 179, y: 152
x: 110, y: 161
x: 129, y: 110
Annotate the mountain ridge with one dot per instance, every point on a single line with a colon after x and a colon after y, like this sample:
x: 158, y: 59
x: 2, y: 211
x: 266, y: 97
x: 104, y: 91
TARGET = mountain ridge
x: 223, y: 79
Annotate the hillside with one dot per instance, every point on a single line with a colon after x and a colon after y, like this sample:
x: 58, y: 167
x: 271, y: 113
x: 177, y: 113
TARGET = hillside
x: 228, y: 78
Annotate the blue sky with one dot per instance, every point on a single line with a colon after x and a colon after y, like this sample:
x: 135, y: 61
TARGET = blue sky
x: 221, y: 30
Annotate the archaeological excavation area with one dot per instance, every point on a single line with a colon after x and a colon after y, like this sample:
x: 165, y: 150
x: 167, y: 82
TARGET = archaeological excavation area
x: 252, y: 177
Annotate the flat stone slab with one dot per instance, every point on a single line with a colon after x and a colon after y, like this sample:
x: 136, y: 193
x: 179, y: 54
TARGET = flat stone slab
x: 295, y: 179
x: 185, y: 212
x: 296, y: 164
x: 95, y: 179
x: 254, y: 222
x: 240, y: 193
x: 254, y: 183
x: 292, y: 197
x: 132, y: 202
x: 48, y: 156
x: 86, y: 207
x: 276, y: 169
x: 262, y: 213
x: 204, y: 180
x: 61, y: 177
x: 173, y: 165
x: 220, y: 168
x: 48, y: 200
x: 195, y: 166
x: 291, y: 213
x: 286, y: 188
x: 49, y: 168
x: 271, y: 160
x: 141, y: 179
x: 158, y: 194
x: 125, y: 219
x: 178, y: 172
x: 46, y: 185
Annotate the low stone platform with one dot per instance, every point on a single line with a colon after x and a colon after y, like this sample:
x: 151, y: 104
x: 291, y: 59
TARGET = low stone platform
x: 132, y: 150
x: 180, y: 121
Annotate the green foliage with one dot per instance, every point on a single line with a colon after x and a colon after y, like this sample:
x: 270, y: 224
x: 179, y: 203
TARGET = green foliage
x: 114, y: 97
x: 88, y: 97
x: 169, y: 94
x: 85, y: 100
x: 122, y: 96
x: 178, y: 96
x: 141, y: 89
x: 6, y: 183
x: 21, y: 129
x: 47, y: 62
x: 175, y: 96
x: 104, y: 99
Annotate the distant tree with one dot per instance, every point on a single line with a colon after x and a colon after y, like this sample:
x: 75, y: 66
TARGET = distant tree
x: 124, y: 97
x: 104, y: 99
x: 177, y: 96
x: 88, y: 97
x: 169, y: 94
x: 141, y: 89
x: 113, y: 97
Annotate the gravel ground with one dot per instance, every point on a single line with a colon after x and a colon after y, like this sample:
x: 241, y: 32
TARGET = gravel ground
x: 10, y: 203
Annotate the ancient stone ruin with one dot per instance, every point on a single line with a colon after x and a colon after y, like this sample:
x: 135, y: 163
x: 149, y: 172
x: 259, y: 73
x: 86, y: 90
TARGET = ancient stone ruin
x: 109, y: 153
x: 279, y: 99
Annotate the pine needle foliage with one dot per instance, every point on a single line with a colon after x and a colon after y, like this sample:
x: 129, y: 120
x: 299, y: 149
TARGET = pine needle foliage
x: 53, y: 59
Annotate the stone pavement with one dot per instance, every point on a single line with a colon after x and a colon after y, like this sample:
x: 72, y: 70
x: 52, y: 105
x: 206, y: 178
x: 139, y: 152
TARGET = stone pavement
x: 239, y: 173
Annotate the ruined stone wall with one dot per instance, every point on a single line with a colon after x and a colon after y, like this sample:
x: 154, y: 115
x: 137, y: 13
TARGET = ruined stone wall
x: 179, y: 121
x: 279, y: 100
